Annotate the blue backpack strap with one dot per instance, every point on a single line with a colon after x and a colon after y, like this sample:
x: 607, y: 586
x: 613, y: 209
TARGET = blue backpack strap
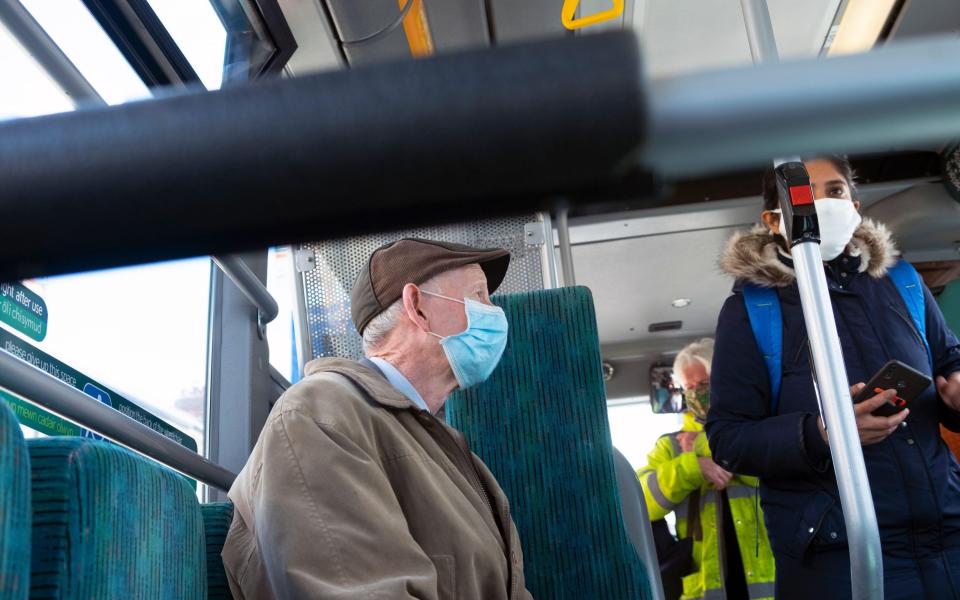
x: 763, y: 309
x: 908, y: 283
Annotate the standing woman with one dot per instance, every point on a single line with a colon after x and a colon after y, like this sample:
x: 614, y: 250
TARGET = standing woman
x: 913, y: 476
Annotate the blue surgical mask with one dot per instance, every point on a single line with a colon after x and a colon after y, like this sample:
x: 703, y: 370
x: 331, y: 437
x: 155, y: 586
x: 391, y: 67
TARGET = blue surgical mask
x: 474, y: 353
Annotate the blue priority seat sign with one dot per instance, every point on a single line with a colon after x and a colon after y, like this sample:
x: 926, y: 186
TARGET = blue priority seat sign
x: 50, y: 424
x: 101, y: 396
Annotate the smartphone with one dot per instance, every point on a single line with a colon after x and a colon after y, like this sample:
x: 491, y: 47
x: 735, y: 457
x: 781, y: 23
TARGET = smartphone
x: 907, y: 381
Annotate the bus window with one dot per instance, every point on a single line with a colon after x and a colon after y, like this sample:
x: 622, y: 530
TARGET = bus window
x: 71, y: 26
x: 200, y: 35
x: 35, y: 93
x: 125, y: 336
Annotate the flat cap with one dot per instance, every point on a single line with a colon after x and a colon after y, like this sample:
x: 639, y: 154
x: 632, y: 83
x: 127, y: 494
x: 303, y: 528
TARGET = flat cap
x: 414, y: 260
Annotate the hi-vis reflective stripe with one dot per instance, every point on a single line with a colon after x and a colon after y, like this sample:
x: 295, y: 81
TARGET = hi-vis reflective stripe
x: 677, y: 450
x: 683, y: 509
x: 754, y: 590
x: 654, y: 486
x: 740, y: 491
x: 708, y: 498
x: 763, y: 589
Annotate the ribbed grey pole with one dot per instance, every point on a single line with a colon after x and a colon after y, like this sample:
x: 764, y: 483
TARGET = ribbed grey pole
x: 48, y: 392
x: 251, y: 286
x: 763, y: 44
x: 566, y: 251
x: 863, y: 535
x: 549, y: 250
x: 45, y: 51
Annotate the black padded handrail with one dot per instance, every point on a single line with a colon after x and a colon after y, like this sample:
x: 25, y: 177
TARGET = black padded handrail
x: 457, y: 136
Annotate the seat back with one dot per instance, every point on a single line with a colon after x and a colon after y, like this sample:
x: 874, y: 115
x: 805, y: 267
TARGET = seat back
x: 110, y: 524
x: 636, y: 520
x: 14, y: 508
x: 540, y: 424
x: 216, y: 523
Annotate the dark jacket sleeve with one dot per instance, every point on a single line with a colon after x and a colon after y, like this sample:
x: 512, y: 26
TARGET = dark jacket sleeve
x: 945, y: 349
x: 744, y: 436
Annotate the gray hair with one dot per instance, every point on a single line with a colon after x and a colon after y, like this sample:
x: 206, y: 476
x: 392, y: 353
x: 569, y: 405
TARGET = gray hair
x: 381, y: 325
x: 700, y: 351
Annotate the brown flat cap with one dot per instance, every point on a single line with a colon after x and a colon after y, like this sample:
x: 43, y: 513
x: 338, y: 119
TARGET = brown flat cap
x: 414, y: 260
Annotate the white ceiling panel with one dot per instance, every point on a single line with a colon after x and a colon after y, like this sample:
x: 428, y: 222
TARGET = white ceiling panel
x: 687, y: 35
x: 635, y: 280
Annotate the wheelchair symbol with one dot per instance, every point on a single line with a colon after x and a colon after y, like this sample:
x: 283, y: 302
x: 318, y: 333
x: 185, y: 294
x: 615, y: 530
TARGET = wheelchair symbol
x: 102, y: 396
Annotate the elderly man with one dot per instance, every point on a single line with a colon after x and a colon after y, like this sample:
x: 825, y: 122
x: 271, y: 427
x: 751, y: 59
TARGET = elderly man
x: 355, y: 489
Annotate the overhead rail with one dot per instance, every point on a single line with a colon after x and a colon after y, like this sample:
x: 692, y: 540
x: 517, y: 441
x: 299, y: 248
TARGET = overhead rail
x: 21, y: 24
x: 48, y: 392
x: 460, y: 136
x: 251, y: 286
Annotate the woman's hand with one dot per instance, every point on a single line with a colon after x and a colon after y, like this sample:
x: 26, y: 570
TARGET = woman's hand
x: 949, y: 390
x: 872, y: 429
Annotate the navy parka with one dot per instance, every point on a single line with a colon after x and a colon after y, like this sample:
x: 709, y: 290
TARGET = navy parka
x: 914, y: 479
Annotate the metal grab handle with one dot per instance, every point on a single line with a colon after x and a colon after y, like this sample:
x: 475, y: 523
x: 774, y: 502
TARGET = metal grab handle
x: 569, y: 11
x: 251, y: 286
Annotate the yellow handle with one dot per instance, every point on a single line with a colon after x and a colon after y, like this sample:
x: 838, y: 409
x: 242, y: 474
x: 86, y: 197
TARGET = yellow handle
x: 570, y: 9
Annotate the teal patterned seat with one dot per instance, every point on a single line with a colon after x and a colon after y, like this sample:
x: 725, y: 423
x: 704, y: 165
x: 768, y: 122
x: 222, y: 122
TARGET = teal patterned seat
x: 108, y: 523
x: 216, y: 523
x: 14, y: 509
x: 540, y: 424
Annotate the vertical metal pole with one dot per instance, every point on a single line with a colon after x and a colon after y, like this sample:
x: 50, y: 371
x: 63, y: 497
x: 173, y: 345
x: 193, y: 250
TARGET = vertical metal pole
x: 863, y: 535
x: 860, y: 517
x: 566, y: 253
x: 549, y: 252
x: 763, y: 45
x: 301, y: 326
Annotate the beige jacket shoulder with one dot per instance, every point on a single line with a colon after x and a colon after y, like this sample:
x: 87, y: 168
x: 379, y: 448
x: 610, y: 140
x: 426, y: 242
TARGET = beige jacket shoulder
x: 353, y: 492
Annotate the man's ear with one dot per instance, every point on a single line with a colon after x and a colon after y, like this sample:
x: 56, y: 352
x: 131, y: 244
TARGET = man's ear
x: 411, y: 306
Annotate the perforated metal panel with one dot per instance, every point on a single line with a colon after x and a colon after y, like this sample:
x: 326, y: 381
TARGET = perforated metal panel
x: 327, y: 286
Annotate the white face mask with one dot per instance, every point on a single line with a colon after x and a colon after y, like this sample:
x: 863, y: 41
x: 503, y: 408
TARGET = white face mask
x: 838, y: 220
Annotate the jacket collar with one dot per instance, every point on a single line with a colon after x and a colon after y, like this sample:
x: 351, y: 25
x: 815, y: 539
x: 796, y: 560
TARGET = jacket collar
x: 753, y: 256
x: 369, y: 380
x: 690, y: 423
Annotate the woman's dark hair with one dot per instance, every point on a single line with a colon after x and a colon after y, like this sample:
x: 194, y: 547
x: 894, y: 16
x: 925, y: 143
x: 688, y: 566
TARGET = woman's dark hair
x: 772, y: 202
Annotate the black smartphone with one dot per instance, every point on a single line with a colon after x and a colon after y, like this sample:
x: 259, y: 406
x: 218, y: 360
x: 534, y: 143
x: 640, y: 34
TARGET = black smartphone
x: 907, y: 381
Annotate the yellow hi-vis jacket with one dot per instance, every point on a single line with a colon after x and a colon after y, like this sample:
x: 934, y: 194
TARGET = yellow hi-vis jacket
x: 672, y: 481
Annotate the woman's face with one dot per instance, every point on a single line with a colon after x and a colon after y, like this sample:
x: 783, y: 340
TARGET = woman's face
x: 827, y: 182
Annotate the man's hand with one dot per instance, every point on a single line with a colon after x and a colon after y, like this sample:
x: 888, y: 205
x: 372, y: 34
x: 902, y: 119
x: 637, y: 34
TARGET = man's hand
x: 686, y: 440
x: 714, y: 473
x: 949, y: 390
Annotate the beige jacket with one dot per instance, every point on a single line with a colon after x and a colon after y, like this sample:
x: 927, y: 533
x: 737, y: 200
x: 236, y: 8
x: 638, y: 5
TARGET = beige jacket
x: 354, y: 492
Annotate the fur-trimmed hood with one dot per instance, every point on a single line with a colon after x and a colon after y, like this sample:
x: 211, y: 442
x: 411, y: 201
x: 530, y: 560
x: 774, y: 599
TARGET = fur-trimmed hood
x: 753, y: 255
